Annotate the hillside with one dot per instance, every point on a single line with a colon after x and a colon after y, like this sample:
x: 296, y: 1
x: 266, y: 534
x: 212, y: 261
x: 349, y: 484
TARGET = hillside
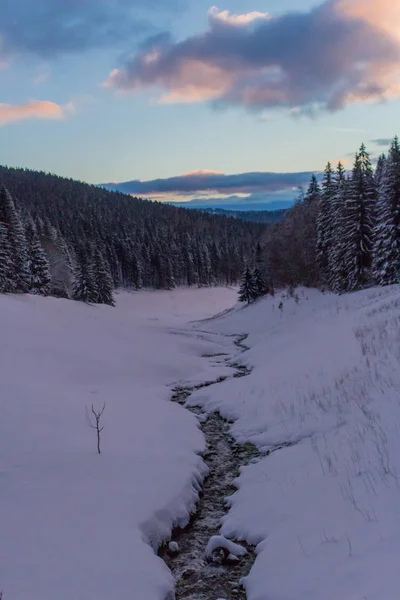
x: 99, y: 236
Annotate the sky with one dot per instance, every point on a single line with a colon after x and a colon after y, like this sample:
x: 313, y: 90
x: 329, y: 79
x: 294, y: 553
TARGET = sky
x: 190, y: 101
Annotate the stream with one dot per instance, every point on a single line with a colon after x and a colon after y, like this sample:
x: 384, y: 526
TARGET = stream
x: 196, y: 578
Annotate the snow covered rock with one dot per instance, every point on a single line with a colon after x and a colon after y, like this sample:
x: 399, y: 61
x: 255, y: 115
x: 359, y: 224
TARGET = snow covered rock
x: 173, y: 548
x: 219, y: 549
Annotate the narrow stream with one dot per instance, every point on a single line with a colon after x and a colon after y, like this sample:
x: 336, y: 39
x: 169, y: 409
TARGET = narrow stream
x: 196, y: 578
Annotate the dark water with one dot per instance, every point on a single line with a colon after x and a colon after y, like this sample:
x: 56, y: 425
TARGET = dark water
x: 197, y: 579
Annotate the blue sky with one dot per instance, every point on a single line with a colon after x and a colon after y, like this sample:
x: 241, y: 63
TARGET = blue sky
x: 265, y: 99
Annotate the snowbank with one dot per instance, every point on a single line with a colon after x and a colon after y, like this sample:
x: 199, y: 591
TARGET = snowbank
x: 74, y: 524
x: 323, y: 512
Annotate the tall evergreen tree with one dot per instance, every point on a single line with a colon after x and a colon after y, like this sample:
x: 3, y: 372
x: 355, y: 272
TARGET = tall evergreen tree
x: 380, y: 171
x: 309, y: 214
x: 247, y: 291
x: 84, y: 287
x: 325, y: 225
x: 38, y: 269
x: 11, y: 220
x: 337, y: 264
x: 103, y: 279
x: 386, y: 263
x: 7, y: 283
x: 359, y: 221
x: 260, y: 284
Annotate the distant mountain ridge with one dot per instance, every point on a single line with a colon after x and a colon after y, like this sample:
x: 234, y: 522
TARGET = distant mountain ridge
x: 254, y: 216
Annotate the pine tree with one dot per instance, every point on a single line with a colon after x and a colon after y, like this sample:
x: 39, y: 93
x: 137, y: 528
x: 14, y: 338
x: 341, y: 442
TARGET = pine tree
x: 260, y: 284
x: 10, y: 219
x: 6, y: 263
x: 84, y: 286
x: 325, y: 225
x: 103, y: 279
x: 309, y: 213
x: 337, y: 266
x: 380, y: 171
x: 247, y: 291
x: 38, y: 269
x: 359, y: 220
x: 386, y: 263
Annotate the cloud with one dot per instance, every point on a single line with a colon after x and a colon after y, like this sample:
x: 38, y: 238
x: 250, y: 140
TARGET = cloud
x: 382, y: 141
x: 33, y: 110
x: 338, y: 53
x: 214, y: 182
x: 51, y: 27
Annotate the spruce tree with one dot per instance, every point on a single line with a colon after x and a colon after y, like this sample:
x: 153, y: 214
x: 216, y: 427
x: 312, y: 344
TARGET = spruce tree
x: 84, y: 288
x: 260, y: 284
x: 38, y: 269
x: 386, y: 263
x: 337, y: 265
x: 325, y: 225
x: 247, y: 291
x: 380, y: 171
x: 103, y: 280
x: 359, y: 221
x: 10, y: 219
x: 309, y: 214
x: 6, y: 263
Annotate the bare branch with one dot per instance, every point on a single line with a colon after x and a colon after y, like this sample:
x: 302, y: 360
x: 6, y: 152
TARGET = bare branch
x: 94, y: 423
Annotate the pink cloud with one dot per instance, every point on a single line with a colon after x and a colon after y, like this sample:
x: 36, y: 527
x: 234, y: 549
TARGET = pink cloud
x: 33, y: 110
x: 341, y: 52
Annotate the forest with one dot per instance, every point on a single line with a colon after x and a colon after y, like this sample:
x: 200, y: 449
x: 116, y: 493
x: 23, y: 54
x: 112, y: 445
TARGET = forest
x: 70, y: 239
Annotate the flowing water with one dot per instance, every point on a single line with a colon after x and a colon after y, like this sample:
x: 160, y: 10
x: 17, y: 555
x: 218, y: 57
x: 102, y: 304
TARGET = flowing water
x: 196, y: 578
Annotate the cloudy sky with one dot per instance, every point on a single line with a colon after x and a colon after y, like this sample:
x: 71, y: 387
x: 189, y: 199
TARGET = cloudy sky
x: 185, y: 99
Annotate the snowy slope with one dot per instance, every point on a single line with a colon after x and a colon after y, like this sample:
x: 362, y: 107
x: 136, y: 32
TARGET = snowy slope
x: 325, y: 511
x: 75, y: 525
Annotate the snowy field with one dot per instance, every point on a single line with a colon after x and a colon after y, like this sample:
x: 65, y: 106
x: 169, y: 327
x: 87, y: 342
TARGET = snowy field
x: 75, y: 525
x: 324, y: 513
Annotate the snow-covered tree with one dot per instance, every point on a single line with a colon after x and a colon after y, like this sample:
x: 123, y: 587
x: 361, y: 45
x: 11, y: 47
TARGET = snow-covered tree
x: 359, y: 221
x: 11, y: 220
x: 103, y: 280
x: 84, y: 287
x: 337, y: 265
x: 6, y: 263
x: 380, y: 171
x: 309, y: 233
x: 247, y: 291
x: 38, y: 269
x: 386, y: 263
x: 260, y: 284
x: 325, y: 225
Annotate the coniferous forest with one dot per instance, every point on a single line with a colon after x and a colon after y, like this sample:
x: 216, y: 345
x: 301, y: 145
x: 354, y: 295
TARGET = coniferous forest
x: 73, y: 240
x: 343, y: 234
x: 69, y: 239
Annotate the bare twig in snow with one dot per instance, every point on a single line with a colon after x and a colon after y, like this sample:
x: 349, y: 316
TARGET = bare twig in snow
x: 93, y: 420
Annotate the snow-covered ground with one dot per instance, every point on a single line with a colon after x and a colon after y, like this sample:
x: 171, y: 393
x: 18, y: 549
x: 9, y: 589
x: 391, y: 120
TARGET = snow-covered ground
x: 323, y: 512
x: 75, y: 525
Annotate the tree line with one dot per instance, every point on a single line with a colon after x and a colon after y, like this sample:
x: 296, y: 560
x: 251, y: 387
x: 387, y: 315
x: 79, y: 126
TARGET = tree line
x: 66, y: 238
x: 343, y: 233
x: 69, y: 239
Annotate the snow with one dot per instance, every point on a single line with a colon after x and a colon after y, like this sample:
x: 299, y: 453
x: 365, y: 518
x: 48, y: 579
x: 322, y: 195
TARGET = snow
x: 324, y: 512
x: 219, y: 541
x: 75, y: 524
x: 173, y: 547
